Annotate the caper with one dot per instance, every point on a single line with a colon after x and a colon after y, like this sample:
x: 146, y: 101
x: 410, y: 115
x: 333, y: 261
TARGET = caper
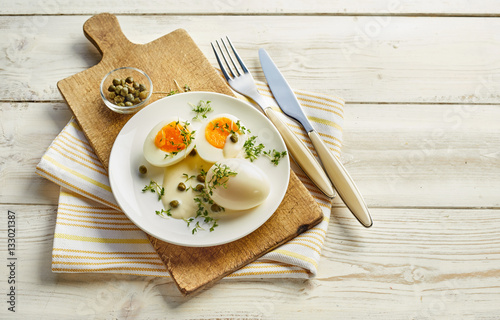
x: 121, y: 104
x: 127, y: 91
x: 215, y: 207
x: 181, y: 186
x: 143, y: 169
x: 174, y: 203
x: 143, y: 95
x: 193, y: 153
x: 199, y: 187
x: 234, y: 138
x: 118, y: 88
x: 200, y: 178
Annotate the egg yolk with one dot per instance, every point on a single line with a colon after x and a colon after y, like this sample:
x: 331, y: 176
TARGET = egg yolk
x: 173, y: 137
x: 217, y: 131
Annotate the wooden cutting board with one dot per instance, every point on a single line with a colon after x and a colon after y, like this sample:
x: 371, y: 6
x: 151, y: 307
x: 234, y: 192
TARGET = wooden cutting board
x: 167, y: 60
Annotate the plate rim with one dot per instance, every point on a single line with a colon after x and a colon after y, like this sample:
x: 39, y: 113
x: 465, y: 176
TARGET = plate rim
x: 134, y: 219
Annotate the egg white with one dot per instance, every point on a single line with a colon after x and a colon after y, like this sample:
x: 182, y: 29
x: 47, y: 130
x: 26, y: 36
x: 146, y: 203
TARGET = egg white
x: 212, y: 154
x: 155, y: 155
x: 249, y: 188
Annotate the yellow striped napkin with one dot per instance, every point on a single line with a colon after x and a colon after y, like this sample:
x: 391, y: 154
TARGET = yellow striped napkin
x: 93, y: 235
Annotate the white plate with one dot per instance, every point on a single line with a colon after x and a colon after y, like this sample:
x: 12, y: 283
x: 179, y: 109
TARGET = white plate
x: 127, y: 183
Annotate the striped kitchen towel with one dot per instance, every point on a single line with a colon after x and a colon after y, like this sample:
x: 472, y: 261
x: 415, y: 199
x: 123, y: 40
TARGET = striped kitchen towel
x: 93, y: 235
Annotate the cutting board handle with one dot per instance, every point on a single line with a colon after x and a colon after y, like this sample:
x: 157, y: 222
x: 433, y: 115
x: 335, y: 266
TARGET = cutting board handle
x: 104, y: 31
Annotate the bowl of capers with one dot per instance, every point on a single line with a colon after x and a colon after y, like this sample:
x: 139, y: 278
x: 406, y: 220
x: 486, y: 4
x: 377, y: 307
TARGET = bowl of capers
x: 126, y: 89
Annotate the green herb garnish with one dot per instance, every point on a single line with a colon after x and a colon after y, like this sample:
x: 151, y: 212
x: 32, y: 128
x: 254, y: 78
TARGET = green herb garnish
x: 188, y: 177
x: 252, y: 151
x: 221, y: 174
x: 275, y: 156
x: 201, y: 109
x: 171, y: 154
x: 241, y: 128
x: 163, y: 213
x: 153, y: 186
x: 196, y: 228
x: 204, y: 202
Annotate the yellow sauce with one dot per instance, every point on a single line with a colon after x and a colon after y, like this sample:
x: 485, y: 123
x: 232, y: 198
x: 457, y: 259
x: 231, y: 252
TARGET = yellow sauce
x: 173, y: 175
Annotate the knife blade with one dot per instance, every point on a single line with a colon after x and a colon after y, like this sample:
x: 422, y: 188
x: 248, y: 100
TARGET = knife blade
x: 340, y: 178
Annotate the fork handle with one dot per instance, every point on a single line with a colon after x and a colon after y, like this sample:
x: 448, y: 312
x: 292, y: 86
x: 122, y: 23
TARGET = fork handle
x: 301, y: 154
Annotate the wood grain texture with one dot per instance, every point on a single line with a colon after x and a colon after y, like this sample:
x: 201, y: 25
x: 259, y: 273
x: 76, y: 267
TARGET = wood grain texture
x: 240, y: 7
x: 175, y: 57
x: 421, y: 146
x: 400, y: 155
x: 195, y: 268
x: 418, y: 263
x: 22, y: 144
x: 402, y: 60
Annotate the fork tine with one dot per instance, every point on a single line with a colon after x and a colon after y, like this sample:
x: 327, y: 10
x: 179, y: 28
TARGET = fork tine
x: 245, y: 70
x: 233, y: 73
x: 230, y: 57
x: 221, y: 65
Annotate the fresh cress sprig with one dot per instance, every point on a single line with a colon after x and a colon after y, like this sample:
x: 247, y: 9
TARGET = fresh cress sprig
x: 254, y: 150
x: 201, y: 109
x: 275, y: 156
x: 163, y: 213
x: 153, y: 186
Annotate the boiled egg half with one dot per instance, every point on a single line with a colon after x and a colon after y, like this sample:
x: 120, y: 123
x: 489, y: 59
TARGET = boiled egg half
x: 220, y: 137
x: 170, y: 141
x: 237, y: 184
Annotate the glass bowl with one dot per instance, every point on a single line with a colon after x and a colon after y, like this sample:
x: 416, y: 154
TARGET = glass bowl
x: 137, y: 91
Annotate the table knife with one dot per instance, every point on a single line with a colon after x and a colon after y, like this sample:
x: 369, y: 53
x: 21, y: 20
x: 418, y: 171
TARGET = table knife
x: 338, y: 175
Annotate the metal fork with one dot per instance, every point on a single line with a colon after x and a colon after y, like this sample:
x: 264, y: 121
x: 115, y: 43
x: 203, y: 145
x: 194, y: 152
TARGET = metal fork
x: 240, y: 79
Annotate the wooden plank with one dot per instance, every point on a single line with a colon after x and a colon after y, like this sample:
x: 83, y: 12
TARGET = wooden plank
x: 424, y: 155
x: 27, y: 131
x: 399, y: 155
x: 423, y: 263
x: 240, y: 7
x: 399, y: 60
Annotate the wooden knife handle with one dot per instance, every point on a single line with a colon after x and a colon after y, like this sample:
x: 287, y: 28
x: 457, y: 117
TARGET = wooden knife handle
x: 301, y: 154
x: 342, y: 181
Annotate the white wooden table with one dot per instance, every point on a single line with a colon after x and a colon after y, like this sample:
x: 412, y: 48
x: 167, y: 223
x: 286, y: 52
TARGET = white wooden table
x: 422, y: 140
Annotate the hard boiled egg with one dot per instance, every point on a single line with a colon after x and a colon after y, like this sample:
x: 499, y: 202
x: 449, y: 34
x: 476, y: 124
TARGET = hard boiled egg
x: 170, y: 141
x: 221, y: 137
x: 237, y: 184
